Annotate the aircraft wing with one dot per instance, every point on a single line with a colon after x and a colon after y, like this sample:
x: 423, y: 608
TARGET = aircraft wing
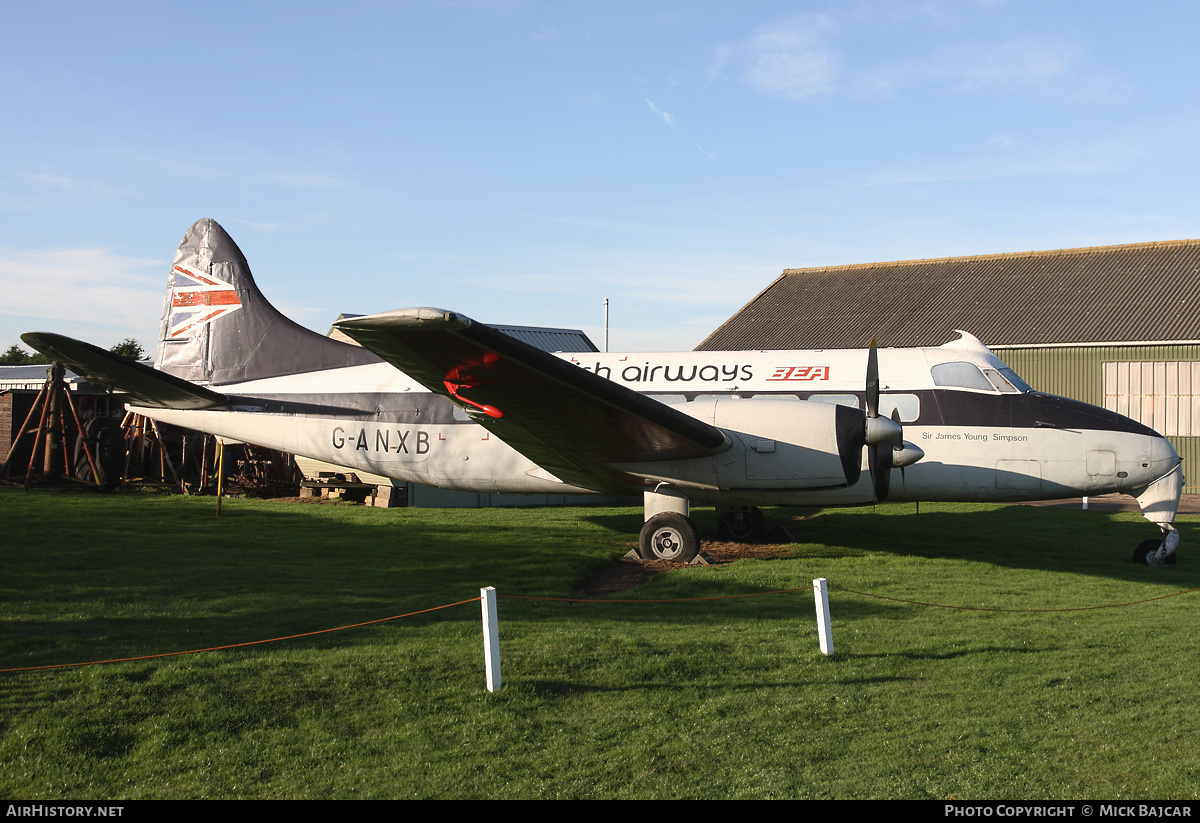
x: 569, y: 421
x: 144, y: 386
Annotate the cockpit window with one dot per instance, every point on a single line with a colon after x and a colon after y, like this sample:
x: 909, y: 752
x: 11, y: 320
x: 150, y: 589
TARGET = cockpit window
x: 961, y: 375
x: 1016, y: 380
x: 969, y: 376
x: 998, y: 381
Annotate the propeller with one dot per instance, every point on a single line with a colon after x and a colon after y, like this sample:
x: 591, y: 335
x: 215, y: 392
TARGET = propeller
x: 903, y: 452
x: 886, y: 446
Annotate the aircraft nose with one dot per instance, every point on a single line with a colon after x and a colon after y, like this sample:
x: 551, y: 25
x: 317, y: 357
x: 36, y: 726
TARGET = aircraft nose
x: 1163, y: 456
x: 1153, y: 457
x: 1141, y: 459
x: 1159, y: 499
x: 1156, y: 457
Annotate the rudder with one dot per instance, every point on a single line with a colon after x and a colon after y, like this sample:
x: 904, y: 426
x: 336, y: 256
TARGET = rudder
x: 217, y: 328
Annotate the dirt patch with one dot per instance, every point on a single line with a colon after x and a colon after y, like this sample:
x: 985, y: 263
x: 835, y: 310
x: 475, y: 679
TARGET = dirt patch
x: 626, y: 572
x: 622, y: 576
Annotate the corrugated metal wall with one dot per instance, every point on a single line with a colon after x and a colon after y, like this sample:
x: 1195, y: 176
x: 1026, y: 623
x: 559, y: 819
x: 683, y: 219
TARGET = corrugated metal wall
x: 1078, y: 372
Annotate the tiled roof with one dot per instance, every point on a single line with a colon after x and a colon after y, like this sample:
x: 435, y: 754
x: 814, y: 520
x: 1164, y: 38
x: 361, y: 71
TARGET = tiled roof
x: 1143, y: 292
x: 551, y: 340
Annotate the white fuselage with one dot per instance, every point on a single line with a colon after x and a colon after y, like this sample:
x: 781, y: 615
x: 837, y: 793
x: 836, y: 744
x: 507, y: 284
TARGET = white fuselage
x: 985, y: 437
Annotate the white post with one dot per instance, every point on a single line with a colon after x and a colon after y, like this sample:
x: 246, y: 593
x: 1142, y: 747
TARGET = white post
x: 1085, y: 503
x: 824, y: 630
x: 606, y: 324
x: 491, y: 638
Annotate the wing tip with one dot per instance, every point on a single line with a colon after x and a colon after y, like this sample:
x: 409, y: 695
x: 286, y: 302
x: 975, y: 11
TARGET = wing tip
x: 144, y: 386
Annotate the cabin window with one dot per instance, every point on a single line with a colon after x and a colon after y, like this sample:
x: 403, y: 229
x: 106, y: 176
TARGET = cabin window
x: 909, y: 406
x: 961, y: 375
x: 836, y: 399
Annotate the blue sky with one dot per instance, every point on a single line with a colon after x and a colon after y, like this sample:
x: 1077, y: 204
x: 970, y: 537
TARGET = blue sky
x: 521, y: 161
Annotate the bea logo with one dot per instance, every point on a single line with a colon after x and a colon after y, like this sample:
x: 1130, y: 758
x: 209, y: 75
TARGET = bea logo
x: 800, y: 373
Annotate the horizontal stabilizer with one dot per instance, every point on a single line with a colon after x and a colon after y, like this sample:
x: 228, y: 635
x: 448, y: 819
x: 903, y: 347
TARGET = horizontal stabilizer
x: 568, y: 420
x: 144, y: 386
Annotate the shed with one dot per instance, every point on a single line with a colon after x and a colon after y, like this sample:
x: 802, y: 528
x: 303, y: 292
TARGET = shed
x: 19, y: 387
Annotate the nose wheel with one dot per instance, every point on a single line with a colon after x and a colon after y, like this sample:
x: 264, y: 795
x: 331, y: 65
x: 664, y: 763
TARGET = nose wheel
x: 1158, y: 552
x: 669, y: 536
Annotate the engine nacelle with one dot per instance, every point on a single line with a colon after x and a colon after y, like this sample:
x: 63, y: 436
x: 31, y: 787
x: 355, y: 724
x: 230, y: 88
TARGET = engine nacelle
x: 775, y: 444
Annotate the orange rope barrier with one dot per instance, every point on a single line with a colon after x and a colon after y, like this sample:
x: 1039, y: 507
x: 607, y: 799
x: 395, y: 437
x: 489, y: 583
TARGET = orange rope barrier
x: 598, y: 601
x: 239, y: 645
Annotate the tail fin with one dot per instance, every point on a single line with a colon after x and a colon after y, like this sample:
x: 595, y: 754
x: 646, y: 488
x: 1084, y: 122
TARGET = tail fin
x: 217, y: 327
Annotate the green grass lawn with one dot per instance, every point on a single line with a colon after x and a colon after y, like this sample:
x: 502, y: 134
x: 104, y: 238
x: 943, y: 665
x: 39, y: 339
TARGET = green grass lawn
x: 718, y: 698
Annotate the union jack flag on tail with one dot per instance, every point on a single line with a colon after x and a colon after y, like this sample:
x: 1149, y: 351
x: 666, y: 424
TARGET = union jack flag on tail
x: 198, y: 299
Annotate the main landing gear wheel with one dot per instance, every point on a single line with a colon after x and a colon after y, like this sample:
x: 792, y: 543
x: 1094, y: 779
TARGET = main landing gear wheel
x: 743, y: 526
x: 669, y: 536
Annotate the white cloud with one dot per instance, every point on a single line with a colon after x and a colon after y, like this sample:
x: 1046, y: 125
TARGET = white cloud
x: 58, y: 181
x: 1054, y: 68
x: 670, y: 121
x: 810, y: 55
x: 1001, y: 141
x: 59, y: 188
x: 789, y: 59
x: 666, y: 116
x: 1024, y: 63
x: 1070, y: 158
x: 309, y: 181
x: 90, y: 293
x: 500, y: 6
x: 289, y: 224
x: 793, y: 75
x: 1139, y: 148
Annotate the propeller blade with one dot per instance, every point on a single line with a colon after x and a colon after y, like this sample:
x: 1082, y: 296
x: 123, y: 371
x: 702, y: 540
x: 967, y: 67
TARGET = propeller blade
x: 872, y: 380
x: 898, y: 443
x: 886, y: 447
x: 880, y: 431
x: 879, y: 458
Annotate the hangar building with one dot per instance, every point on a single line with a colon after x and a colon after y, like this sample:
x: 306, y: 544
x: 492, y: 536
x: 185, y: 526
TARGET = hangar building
x: 1115, y: 326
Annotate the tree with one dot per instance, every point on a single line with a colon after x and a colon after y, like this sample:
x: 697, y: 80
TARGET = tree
x: 15, y: 354
x: 129, y: 348
x: 18, y: 356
